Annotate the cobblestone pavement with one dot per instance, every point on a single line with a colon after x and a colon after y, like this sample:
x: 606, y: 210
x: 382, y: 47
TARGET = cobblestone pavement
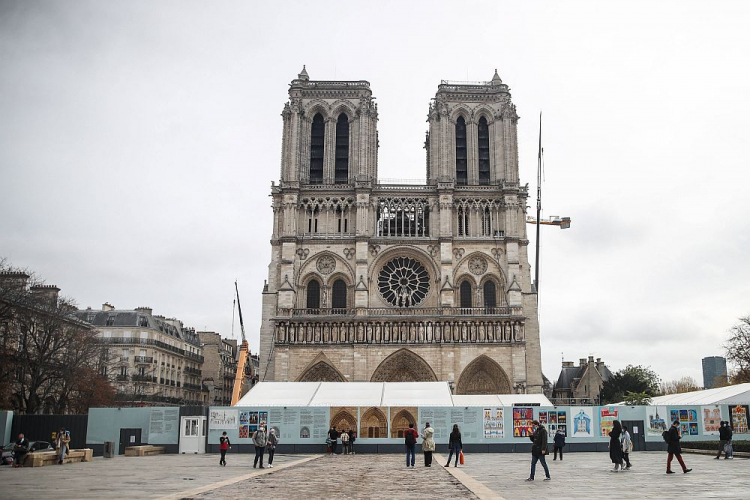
x: 357, y: 476
x: 587, y: 475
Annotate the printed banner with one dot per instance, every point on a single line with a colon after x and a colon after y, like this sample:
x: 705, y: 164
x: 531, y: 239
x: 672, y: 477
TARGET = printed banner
x: 738, y: 418
x: 222, y: 419
x: 583, y: 423
x: 711, y: 420
x: 493, y: 424
x: 554, y: 421
x: 522, y: 418
x: 657, y: 420
x: 608, y: 415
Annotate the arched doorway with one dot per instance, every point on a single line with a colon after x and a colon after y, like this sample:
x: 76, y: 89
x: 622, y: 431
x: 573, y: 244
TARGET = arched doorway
x: 401, y: 422
x: 373, y: 424
x: 403, y: 366
x: 344, y: 419
x: 483, y: 376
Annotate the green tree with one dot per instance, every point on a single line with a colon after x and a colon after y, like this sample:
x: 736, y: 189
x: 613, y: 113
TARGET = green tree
x: 738, y: 350
x: 631, y: 379
x: 637, y: 399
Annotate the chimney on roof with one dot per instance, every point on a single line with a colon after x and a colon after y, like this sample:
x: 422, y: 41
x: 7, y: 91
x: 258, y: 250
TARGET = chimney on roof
x: 145, y: 310
x: 567, y: 364
x: 46, y: 293
x: 107, y: 307
x: 582, y: 361
x: 14, y: 280
x: 591, y: 359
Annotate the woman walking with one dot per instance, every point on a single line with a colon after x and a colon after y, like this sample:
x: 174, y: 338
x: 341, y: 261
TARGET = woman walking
x: 223, y: 447
x: 428, y: 444
x: 615, y: 449
x: 273, y: 440
x: 259, y: 440
x: 627, y: 446
x: 454, y: 445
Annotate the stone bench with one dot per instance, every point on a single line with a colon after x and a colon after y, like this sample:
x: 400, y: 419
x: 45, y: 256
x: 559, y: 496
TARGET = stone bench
x: 143, y: 451
x: 42, y: 458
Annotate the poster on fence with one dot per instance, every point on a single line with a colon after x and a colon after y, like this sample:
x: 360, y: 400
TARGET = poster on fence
x: 583, y: 423
x: 738, y: 418
x: 522, y: 418
x: 657, y: 420
x: 711, y: 420
x: 553, y: 421
x: 222, y: 419
x: 493, y: 424
x: 607, y: 417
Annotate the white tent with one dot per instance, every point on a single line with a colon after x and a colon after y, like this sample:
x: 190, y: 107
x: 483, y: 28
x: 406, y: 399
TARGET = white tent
x: 437, y: 394
x: 733, y: 394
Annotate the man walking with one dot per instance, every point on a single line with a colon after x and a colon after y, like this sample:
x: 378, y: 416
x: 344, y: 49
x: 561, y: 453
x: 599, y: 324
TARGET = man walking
x: 223, y: 447
x: 260, y: 441
x: 410, y: 440
x: 559, y: 443
x: 723, y: 440
x: 674, y: 449
x: 538, y: 449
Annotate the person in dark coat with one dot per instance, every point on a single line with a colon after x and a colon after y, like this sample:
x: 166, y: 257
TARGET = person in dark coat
x: 729, y: 440
x: 559, y: 443
x: 20, y: 449
x: 539, y: 450
x: 723, y: 440
x: 454, y: 445
x: 615, y: 449
x: 224, y: 445
x: 674, y: 449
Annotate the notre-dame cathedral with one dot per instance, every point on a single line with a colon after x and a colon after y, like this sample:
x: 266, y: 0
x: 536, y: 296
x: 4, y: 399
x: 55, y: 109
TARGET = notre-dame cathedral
x: 376, y: 280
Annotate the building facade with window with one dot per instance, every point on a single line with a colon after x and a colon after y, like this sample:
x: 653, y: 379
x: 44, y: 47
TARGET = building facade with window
x: 381, y: 280
x: 220, y: 360
x: 150, y: 359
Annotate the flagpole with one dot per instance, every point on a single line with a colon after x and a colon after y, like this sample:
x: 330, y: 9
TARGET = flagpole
x: 538, y: 205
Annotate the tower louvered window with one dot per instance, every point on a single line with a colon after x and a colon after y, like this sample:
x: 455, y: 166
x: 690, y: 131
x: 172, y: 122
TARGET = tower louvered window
x: 483, y: 136
x: 465, y: 292
x: 313, y: 295
x: 342, y: 149
x: 461, y: 163
x: 317, y: 140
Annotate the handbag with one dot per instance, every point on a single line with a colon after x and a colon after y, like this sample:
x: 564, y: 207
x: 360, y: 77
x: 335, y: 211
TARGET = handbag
x: 728, y: 448
x: 461, y: 457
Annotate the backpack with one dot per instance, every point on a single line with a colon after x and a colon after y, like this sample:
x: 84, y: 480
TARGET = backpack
x: 409, y: 438
x: 665, y: 436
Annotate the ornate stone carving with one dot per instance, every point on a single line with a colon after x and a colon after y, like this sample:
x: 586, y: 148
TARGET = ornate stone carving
x: 458, y: 253
x: 434, y: 250
x: 483, y: 376
x: 321, y: 372
x: 302, y: 253
x: 403, y: 366
x: 374, y: 249
x: 326, y: 264
x: 349, y: 253
x: 403, y: 282
x: 478, y: 265
x: 497, y: 253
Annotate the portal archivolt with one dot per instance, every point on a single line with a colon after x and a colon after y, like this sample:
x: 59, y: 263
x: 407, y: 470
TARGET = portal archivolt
x: 403, y: 366
x: 483, y: 376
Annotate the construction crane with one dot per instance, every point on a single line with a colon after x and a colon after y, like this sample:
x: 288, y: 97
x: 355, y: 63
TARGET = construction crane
x: 554, y: 220
x: 239, y: 377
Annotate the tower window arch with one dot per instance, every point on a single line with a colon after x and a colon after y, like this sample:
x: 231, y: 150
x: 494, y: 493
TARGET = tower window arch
x: 464, y: 292
x: 490, y: 294
x: 313, y: 294
x: 483, y: 136
x: 338, y: 298
x: 317, y: 140
x: 342, y: 149
x: 461, y: 161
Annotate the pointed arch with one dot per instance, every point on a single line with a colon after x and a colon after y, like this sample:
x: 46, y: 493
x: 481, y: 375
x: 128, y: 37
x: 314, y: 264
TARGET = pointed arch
x: 483, y: 376
x: 403, y: 366
x: 344, y: 419
x: 341, y: 164
x: 483, y: 150
x: 317, y: 147
x: 321, y: 369
x: 373, y: 424
x: 400, y: 422
x: 461, y: 152
x: 465, y: 294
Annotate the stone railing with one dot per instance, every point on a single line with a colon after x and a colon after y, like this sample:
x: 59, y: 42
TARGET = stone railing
x: 428, y: 312
x: 405, y: 331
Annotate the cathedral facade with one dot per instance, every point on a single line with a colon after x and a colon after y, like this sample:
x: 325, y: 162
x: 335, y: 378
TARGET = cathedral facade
x: 384, y: 281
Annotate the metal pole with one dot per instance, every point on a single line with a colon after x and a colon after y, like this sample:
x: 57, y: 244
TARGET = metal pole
x: 538, y: 205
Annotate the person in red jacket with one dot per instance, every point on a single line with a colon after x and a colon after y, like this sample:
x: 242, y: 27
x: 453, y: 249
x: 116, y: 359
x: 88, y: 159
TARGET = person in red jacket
x: 223, y: 447
x: 410, y: 440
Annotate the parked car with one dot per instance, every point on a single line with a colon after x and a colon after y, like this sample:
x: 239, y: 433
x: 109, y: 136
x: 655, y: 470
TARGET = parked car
x: 7, y: 456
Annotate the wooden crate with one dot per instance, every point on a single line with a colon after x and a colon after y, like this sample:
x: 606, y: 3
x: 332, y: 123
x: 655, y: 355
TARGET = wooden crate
x: 143, y: 451
x: 42, y: 458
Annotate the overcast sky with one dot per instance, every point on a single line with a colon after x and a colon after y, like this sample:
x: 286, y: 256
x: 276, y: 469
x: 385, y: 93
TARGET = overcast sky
x: 139, y: 140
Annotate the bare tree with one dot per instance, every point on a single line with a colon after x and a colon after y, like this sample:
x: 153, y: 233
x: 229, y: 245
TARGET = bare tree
x: 738, y: 350
x: 684, y: 384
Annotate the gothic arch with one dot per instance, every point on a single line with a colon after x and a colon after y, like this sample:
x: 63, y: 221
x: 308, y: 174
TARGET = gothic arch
x: 373, y: 424
x: 485, y: 111
x: 403, y: 366
x: 406, y: 251
x: 346, y: 107
x: 460, y: 111
x: 321, y: 369
x: 492, y: 269
x: 317, y: 106
x: 344, y: 420
x: 308, y: 269
x: 400, y: 422
x: 483, y: 376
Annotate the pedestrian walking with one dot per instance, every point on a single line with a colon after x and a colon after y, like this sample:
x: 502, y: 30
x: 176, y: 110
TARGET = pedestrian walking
x: 559, y: 443
x: 729, y: 441
x: 260, y: 440
x: 428, y: 444
x: 627, y: 446
x: 615, y: 448
x: 539, y: 449
x: 273, y: 441
x: 20, y: 449
x: 673, y: 447
x: 63, y: 443
x: 224, y: 445
x: 454, y: 445
x: 345, y: 442
x: 333, y: 436
x: 410, y: 440
x: 352, y: 438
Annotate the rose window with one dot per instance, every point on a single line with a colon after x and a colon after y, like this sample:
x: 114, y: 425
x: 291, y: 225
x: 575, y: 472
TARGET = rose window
x: 404, y: 282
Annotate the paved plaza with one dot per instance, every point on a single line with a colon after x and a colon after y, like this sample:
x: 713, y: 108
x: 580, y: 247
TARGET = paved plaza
x: 580, y: 475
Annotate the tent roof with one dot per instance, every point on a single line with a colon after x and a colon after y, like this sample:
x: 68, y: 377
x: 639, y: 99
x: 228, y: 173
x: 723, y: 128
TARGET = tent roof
x: 273, y: 394
x: 732, y: 394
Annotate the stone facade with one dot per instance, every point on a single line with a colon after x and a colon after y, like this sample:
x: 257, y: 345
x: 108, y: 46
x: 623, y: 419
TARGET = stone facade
x: 581, y: 384
x: 394, y: 281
